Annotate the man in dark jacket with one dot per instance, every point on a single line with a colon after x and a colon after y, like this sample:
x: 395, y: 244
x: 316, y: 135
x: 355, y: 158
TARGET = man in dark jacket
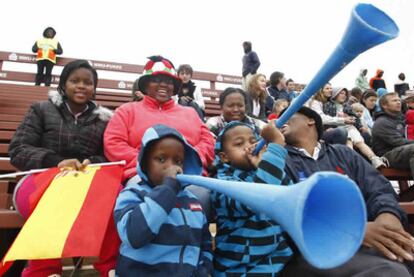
x: 306, y: 155
x: 251, y: 63
x: 388, y: 134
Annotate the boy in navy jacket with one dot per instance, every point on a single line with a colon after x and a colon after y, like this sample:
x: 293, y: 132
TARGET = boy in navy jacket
x: 163, y: 228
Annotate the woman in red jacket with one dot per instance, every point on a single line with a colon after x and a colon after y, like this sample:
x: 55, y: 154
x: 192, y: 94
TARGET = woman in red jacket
x: 122, y: 139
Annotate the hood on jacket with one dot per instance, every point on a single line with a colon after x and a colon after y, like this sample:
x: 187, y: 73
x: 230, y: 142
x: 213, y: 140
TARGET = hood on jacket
x: 103, y: 113
x: 379, y: 71
x: 361, y: 72
x: 49, y: 29
x: 192, y: 161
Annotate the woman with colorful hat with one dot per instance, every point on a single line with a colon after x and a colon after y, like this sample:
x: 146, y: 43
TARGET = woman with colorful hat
x: 159, y: 82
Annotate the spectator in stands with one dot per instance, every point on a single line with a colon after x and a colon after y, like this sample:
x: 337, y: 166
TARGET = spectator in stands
x: 388, y: 134
x: 46, y: 49
x: 401, y: 86
x: 163, y: 229
x: 248, y: 243
x: 256, y: 101
x: 409, y: 115
x: 380, y: 93
x: 189, y: 94
x: 251, y: 63
x: 358, y: 109
x: 369, y: 100
x: 377, y: 82
x: 67, y: 132
x: 361, y: 81
x: 335, y: 108
x: 278, y: 106
x: 290, y: 87
x: 354, y: 96
x: 137, y: 95
x: 385, y: 242
x: 233, y: 103
x: 122, y: 140
x: 277, y: 90
x: 335, y: 131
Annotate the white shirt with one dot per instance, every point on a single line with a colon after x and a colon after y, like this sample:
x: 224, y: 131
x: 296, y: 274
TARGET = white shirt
x: 316, y: 151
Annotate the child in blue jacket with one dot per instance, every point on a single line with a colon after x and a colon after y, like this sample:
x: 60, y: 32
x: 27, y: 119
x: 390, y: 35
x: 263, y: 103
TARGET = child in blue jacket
x: 163, y: 228
x: 247, y: 243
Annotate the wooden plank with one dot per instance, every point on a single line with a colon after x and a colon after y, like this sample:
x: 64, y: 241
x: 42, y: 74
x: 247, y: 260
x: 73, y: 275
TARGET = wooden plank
x: 7, y: 166
x: 10, y: 219
x: 408, y: 207
x: 6, y: 135
x: 396, y: 174
x: 4, y: 186
x: 4, y: 148
x: 9, y: 125
x: 13, y: 111
x: 11, y: 117
x: 5, y: 201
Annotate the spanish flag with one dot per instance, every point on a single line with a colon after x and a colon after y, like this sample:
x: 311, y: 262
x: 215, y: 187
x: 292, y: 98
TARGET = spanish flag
x: 70, y: 217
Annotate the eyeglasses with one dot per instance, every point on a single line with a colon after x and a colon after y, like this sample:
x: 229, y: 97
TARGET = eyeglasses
x: 161, y: 78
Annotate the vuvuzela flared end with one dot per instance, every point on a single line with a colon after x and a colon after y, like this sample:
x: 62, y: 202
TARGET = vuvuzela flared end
x: 368, y: 27
x: 333, y: 220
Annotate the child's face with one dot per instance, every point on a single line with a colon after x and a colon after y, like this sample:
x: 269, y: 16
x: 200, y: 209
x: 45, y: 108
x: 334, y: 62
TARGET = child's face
x: 291, y: 86
x: 358, y: 112
x: 163, y: 154
x: 184, y: 76
x: 410, y: 104
x: 235, y: 148
x: 281, y: 107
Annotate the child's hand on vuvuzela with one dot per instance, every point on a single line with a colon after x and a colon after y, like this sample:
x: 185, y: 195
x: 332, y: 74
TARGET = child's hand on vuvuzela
x: 254, y: 159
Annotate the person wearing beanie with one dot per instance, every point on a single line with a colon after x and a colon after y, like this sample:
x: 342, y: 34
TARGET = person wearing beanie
x: 335, y: 107
x: 159, y: 83
x: 381, y: 250
x: 46, y: 49
x: 380, y: 93
x: 66, y: 132
x: 377, y: 81
x: 334, y: 126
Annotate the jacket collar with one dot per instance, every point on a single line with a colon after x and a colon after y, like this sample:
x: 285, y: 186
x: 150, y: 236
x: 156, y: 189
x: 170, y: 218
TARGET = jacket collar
x: 154, y: 104
x: 103, y: 113
x: 295, y: 151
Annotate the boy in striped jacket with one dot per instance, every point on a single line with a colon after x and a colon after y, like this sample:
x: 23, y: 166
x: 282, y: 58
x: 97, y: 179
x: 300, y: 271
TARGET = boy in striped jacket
x: 247, y: 243
x: 163, y: 228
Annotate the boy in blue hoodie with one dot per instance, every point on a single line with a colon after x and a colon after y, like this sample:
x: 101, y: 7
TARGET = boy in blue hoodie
x: 163, y: 228
x: 248, y: 243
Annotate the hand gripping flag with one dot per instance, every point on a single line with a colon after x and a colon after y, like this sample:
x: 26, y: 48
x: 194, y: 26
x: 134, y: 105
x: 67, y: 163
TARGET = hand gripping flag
x: 71, y: 214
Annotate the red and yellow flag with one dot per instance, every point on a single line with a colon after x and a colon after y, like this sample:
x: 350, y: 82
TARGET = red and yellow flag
x: 71, y: 216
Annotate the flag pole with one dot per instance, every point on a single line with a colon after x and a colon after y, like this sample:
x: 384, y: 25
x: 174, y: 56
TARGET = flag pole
x: 33, y: 171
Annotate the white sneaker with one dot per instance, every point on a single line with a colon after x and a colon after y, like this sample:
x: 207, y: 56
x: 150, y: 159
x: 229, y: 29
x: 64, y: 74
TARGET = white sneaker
x: 111, y: 273
x: 377, y: 162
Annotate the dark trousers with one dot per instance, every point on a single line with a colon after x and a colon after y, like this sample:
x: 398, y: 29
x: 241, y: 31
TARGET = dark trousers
x: 337, y: 135
x: 402, y: 157
x: 366, y: 263
x: 194, y: 105
x: 43, y: 76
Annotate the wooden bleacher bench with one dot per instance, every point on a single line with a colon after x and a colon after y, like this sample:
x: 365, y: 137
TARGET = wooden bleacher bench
x: 402, y: 177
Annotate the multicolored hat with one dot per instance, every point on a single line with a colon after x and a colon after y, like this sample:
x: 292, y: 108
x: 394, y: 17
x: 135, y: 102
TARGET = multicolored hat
x: 158, y: 65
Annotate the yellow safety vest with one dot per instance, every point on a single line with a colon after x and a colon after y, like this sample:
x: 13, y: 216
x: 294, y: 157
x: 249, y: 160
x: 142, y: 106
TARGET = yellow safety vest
x: 45, y: 47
